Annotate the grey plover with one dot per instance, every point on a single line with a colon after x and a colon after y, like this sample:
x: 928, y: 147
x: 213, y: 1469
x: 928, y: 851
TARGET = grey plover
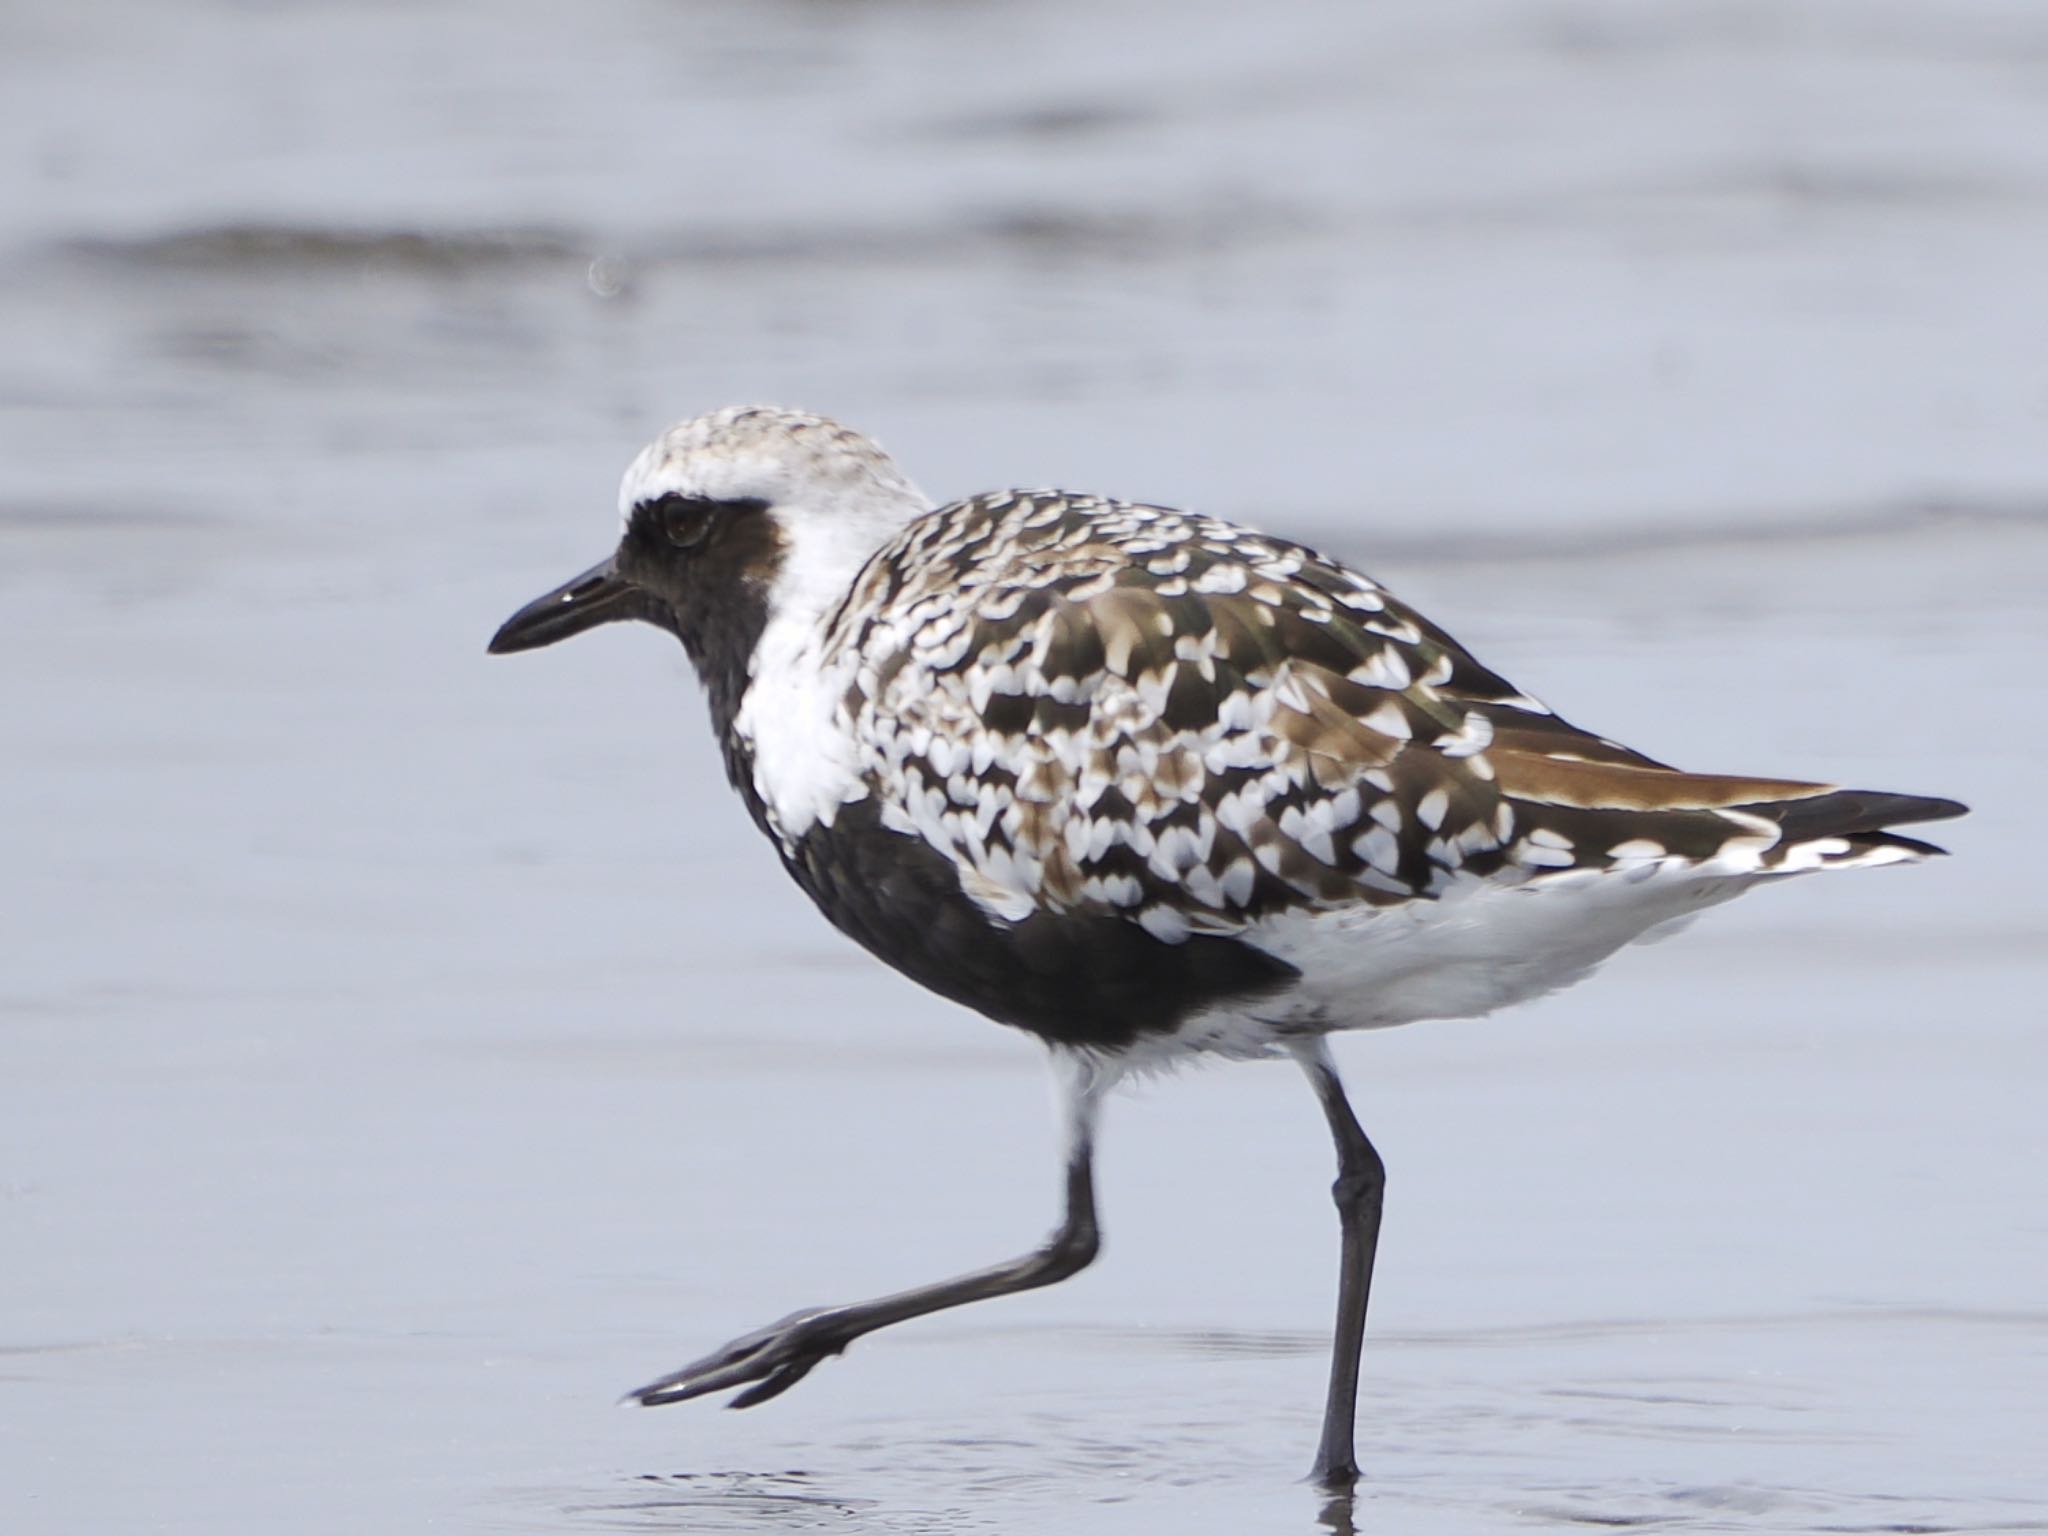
x: 1148, y: 785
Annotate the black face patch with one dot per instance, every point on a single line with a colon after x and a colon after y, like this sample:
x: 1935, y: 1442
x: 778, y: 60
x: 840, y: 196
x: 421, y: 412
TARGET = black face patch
x: 711, y: 564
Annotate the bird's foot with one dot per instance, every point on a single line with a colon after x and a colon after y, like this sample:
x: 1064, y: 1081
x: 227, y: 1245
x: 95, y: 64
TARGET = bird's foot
x: 1338, y: 1475
x: 774, y: 1358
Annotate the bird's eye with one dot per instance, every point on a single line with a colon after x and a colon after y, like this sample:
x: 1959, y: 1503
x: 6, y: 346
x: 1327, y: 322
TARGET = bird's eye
x: 688, y: 523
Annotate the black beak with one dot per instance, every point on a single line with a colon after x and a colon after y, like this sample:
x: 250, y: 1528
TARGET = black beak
x: 599, y: 596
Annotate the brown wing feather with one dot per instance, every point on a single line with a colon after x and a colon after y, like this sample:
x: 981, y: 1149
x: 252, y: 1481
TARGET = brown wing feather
x: 1546, y: 778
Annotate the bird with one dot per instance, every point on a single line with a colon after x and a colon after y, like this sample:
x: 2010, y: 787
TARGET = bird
x: 1151, y: 786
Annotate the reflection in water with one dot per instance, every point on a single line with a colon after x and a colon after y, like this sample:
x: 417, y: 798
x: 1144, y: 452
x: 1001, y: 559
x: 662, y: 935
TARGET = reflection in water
x: 1338, y: 1510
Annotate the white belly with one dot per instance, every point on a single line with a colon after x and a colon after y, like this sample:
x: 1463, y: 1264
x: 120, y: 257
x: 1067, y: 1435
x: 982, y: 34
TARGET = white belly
x: 1463, y: 955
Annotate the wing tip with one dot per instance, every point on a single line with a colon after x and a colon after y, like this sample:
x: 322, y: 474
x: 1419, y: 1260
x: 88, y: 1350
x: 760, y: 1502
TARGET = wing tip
x: 1854, y: 812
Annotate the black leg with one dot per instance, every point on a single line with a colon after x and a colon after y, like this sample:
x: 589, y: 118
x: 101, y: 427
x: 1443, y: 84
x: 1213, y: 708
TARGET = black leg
x: 779, y: 1356
x: 1361, y: 1181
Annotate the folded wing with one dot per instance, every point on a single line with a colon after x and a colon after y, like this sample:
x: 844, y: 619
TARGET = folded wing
x: 1093, y: 706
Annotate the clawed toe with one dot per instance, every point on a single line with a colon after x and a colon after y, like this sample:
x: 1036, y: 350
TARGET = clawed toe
x: 774, y: 1359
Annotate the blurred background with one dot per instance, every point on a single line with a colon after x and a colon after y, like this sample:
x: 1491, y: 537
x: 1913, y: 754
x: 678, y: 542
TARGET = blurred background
x: 401, y: 1054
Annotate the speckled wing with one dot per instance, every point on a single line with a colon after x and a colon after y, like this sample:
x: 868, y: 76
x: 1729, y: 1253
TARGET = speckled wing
x: 1091, y: 705
x: 1095, y: 705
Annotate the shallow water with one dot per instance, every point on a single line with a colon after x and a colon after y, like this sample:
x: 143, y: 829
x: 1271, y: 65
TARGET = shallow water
x: 403, y: 1054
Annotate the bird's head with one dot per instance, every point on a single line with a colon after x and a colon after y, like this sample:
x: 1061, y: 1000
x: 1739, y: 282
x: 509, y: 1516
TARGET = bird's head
x: 731, y: 518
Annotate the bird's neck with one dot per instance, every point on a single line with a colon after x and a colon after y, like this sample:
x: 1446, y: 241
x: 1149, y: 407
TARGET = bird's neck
x: 778, y: 716
x: 721, y: 627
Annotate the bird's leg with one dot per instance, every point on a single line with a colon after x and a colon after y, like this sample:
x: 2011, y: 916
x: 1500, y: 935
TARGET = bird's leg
x: 1361, y: 1181
x: 777, y: 1357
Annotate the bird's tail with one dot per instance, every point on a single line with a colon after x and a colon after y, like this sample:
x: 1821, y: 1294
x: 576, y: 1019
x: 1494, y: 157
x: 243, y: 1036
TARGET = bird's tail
x: 1840, y: 828
x: 1758, y: 827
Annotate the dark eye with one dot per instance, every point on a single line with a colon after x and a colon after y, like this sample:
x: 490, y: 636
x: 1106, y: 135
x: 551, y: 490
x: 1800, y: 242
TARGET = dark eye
x: 686, y: 524
x: 688, y: 521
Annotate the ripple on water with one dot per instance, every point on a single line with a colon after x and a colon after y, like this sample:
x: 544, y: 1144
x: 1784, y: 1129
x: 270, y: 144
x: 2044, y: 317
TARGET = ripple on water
x: 1750, y: 1424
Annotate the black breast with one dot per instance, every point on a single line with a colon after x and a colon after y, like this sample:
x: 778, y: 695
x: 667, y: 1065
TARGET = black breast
x: 1072, y: 979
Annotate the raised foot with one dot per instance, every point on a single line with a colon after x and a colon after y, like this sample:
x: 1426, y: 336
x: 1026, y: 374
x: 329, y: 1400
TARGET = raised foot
x: 775, y: 1358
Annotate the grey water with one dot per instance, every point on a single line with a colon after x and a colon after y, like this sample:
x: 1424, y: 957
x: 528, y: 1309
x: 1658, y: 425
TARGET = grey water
x: 402, y: 1054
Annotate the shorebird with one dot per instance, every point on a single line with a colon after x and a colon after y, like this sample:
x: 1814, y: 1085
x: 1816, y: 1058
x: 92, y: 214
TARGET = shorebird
x: 1151, y: 786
